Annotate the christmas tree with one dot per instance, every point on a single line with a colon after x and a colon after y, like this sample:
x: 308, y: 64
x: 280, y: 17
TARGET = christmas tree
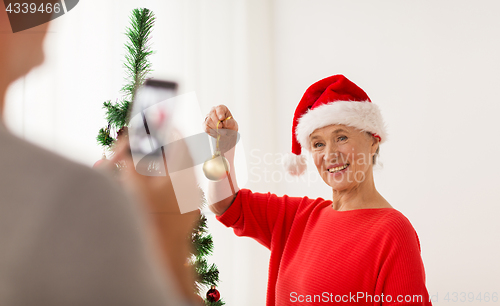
x: 138, y: 67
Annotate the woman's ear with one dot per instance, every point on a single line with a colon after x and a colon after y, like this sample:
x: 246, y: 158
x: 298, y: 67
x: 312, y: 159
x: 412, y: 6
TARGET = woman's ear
x: 375, y: 144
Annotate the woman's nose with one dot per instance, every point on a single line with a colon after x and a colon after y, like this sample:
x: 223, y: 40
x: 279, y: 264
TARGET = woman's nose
x: 331, y: 154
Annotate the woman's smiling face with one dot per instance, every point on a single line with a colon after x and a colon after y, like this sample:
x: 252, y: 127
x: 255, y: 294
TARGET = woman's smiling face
x: 343, y: 155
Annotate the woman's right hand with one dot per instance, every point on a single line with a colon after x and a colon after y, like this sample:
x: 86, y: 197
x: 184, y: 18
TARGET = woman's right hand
x: 216, y: 114
x: 220, y: 194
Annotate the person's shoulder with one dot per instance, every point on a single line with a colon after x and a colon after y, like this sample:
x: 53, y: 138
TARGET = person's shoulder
x: 15, y: 149
x: 29, y: 167
x: 397, y: 227
x: 393, y: 218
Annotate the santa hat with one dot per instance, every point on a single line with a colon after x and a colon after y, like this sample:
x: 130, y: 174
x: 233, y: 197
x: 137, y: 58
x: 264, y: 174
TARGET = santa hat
x: 333, y: 100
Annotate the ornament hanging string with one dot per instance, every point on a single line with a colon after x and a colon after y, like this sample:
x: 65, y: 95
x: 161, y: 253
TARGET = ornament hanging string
x: 217, y: 150
x: 218, y: 135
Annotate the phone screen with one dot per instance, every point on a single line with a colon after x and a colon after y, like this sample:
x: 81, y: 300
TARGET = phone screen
x: 150, y: 125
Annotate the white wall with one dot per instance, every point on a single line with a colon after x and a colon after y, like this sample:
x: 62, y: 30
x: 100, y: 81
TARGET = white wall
x: 430, y: 66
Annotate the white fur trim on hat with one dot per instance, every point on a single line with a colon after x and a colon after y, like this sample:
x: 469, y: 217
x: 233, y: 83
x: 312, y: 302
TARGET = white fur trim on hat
x: 294, y: 164
x: 365, y: 116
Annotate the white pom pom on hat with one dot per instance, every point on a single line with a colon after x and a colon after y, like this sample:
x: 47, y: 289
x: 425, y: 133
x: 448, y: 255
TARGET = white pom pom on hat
x: 294, y: 164
x: 332, y: 100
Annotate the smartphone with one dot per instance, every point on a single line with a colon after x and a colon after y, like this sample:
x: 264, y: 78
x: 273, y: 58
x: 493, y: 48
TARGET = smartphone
x: 150, y: 124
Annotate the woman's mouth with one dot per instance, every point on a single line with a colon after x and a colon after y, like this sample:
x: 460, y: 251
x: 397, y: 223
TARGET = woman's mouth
x: 338, y: 169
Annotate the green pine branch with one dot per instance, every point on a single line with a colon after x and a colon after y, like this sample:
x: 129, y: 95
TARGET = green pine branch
x: 117, y: 114
x: 203, y: 245
x: 104, y: 138
x: 137, y: 67
x: 137, y: 61
x: 209, y: 274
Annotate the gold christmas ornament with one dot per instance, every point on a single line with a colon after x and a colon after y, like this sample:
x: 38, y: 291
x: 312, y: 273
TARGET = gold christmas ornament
x: 217, y: 167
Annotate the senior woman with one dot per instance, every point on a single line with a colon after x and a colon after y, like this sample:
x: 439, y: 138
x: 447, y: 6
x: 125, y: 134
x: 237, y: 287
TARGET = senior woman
x: 354, y: 248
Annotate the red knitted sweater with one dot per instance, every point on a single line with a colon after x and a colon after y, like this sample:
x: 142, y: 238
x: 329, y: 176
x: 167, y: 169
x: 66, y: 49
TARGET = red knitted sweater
x: 321, y: 256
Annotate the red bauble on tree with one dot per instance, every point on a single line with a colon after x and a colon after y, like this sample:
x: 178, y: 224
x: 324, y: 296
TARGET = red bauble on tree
x: 213, y: 295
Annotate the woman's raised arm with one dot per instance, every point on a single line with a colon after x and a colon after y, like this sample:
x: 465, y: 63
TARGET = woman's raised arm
x: 222, y: 193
